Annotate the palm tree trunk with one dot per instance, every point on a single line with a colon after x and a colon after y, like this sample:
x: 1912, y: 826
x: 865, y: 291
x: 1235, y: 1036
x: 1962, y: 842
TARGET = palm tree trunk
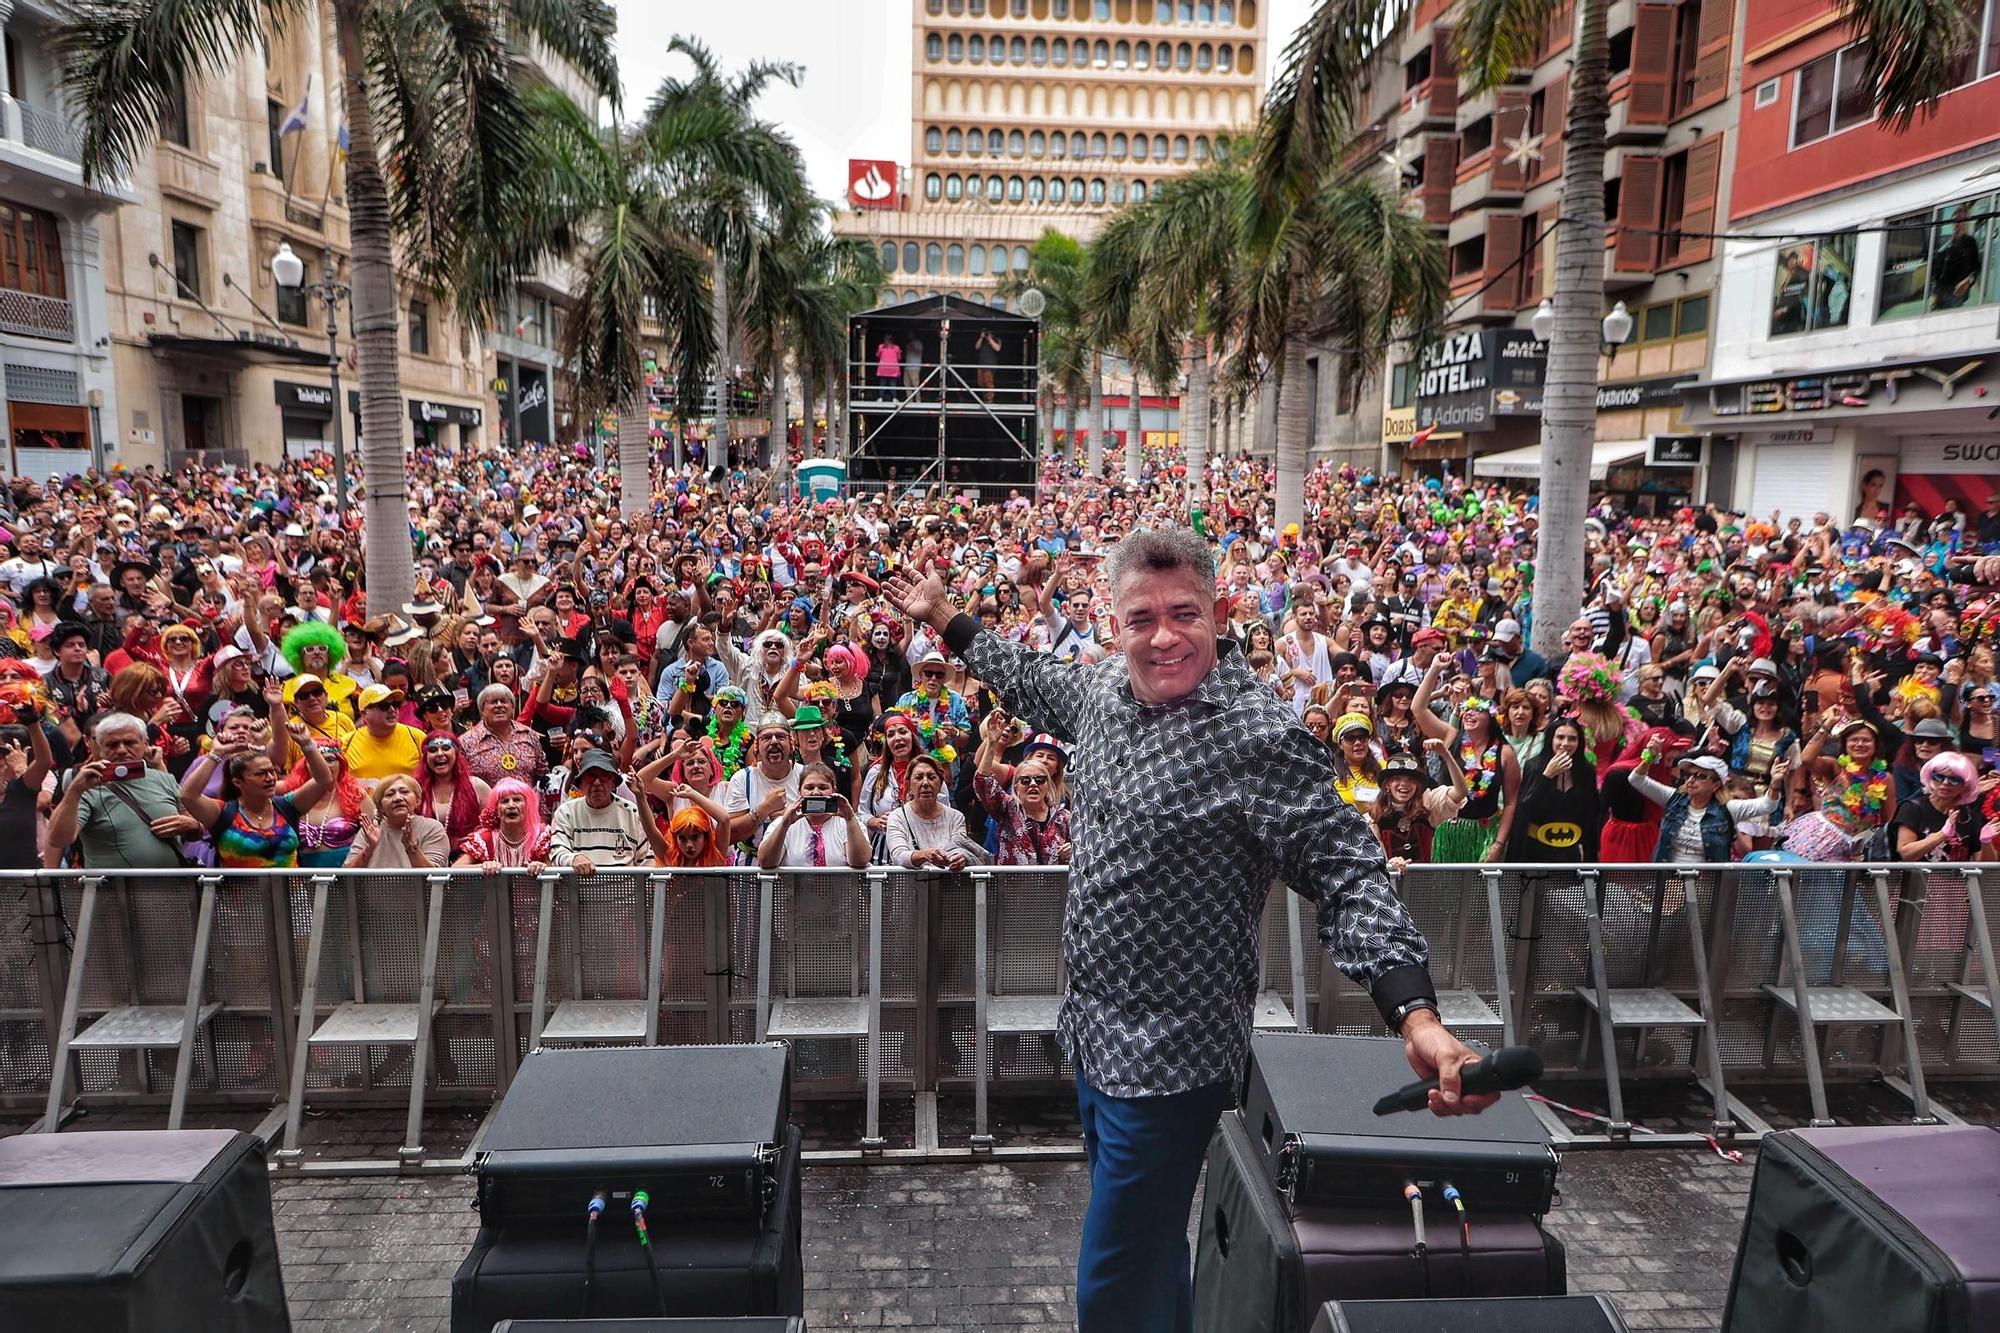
x: 1133, y: 434
x: 1194, y: 415
x: 1569, y: 395
x: 808, y: 411
x: 1291, y: 446
x: 1069, y: 431
x: 718, y: 433
x: 1044, y: 424
x: 1097, y: 424
x: 775, y: 450
x: 635, y: 456
x: 390, y: 562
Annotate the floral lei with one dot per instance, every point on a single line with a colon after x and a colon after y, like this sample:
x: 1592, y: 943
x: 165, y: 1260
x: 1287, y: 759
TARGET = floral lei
x: 1867, y: 791
x: 1481, y: 768
x: 928, y: 734
x: 730, y: 751
x: 826, y: 696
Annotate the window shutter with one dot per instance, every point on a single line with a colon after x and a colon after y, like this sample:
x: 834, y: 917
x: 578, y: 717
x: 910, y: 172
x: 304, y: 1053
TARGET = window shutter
x: 1444, y: 73
x: 1712, y: 46
x: 1440, y: 169
x: 1555, y: 128
x: 1510, y: 121
x: 1652, y: 65
x: 1503, y: 247
x: 1704, y: 175
x: 1638, y: 207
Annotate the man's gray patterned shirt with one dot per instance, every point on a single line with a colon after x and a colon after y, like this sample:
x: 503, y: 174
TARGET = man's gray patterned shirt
x: 1182, y: 817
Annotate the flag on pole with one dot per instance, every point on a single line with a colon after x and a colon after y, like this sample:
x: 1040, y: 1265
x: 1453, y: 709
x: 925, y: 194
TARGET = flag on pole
x: 340, y: 143
x: 296, y: 120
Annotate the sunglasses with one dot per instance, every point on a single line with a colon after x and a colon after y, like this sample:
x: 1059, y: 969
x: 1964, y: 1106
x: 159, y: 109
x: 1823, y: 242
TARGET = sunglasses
x: 441, y: 747
x: 1947, y: 780
x: 310, y: 694
x: 1030, y: 780
x: 1980, y: 698
x: 932, y: 675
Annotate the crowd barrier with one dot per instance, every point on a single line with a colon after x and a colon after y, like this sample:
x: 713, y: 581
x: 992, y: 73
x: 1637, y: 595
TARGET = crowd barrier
x: 420, y: 990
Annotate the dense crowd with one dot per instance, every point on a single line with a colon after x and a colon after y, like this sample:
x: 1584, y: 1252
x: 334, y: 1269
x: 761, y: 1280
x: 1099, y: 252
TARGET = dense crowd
x: 193, y: 674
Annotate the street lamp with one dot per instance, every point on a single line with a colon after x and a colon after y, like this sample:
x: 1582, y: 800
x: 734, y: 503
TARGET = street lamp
x: 1615, y: 331
x: 290, y: 272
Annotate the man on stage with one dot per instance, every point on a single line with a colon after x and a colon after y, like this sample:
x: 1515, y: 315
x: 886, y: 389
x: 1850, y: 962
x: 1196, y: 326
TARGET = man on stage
x: 1192, y: 788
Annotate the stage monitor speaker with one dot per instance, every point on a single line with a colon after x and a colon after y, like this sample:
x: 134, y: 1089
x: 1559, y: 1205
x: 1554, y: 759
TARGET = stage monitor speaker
x: 651, y: 1325
x: 1309, y: 1101
x: 711, y: 1268
x: 1260, y: 1268
x: 1871, y: 1230
x: 750, y: 1325
x: 697, y: 1127
x: 154, y: 1231
x: 1520, y: 1314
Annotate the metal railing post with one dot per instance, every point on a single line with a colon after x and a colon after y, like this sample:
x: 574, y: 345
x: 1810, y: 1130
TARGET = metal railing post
x: 86, y: 916
x: 1502, y: 979
x: 1788, y: 919
x: 1899, y: 988
x: 655, y: 955
x: 434, y: 886
x: 877, y: 882
x: 767, y: 892
x: 204, y: 922
x: 1711, y: 1008
x: 308, y: 1019
x: 982, y: 880
x: 545, y: 917
x: 1607, y: 1031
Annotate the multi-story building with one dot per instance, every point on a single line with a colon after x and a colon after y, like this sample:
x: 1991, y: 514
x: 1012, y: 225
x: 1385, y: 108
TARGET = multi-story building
x: 1485, y: 169
x: 214, y: 357
x: 1856, y: 360
x: 1035, y: 114
x: 60, y: 398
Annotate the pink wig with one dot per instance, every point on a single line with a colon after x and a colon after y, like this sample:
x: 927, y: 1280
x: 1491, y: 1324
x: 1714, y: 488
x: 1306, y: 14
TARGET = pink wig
x: 489, y: 814
x: 857, y: 661
x: 1959, y: 766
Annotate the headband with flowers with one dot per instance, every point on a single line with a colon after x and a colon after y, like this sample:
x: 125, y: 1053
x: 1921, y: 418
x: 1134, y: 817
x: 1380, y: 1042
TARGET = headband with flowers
x: 929, y: 735
x: 1589, y: 678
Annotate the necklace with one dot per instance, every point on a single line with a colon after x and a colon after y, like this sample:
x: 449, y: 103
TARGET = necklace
x: 1863, y: 792
x: 1481, y: 768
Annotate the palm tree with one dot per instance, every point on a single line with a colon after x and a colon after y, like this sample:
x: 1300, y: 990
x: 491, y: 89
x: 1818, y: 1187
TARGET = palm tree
x: 1312, y: 110
x: 436, y: 100
x: 727, y: 207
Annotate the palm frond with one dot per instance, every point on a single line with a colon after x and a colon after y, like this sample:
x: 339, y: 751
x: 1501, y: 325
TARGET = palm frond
x: 1310, y: 110
x: 580, y: 32
x: 1912, y: 47
x: 1496, y: 37
x: 124, y: 62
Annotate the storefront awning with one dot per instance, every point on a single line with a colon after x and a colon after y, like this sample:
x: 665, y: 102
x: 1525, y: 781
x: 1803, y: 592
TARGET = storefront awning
x: 245, y: 350
x: 1525, y: 463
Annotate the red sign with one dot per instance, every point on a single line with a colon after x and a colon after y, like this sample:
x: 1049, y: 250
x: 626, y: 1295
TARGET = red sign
x: 871, y: 184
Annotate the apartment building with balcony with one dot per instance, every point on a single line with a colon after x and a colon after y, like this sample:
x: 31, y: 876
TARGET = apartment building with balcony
x: 1035, y: 114
x: 1857, y: 353
x: 214, y: 359
x: 58, y: 395
x: 1485, y: 170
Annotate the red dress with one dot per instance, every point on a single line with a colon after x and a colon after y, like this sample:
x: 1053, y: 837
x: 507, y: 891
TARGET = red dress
x: 1632, y: 823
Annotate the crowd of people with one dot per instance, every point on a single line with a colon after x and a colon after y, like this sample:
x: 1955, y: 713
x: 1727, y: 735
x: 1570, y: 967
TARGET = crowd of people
x: 192, y: 674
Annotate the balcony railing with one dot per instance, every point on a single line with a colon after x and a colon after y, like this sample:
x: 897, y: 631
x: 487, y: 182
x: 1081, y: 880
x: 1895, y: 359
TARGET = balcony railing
x: 34, y: 316
x: 47, y: 130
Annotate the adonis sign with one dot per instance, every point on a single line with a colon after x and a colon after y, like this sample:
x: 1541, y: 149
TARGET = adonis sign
x: 871, y: 184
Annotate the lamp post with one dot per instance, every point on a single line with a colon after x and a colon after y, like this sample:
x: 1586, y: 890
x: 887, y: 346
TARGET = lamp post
x: 1615, y: 331
x: 290, y: 272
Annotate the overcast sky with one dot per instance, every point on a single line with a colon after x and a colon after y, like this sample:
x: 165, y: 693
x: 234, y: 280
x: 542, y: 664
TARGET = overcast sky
x: 854, y: 100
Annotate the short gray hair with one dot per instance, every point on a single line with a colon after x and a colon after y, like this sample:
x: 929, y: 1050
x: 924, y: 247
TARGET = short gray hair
x: 1160, y: 549
x: 494, y: 691
x: 114, y: 722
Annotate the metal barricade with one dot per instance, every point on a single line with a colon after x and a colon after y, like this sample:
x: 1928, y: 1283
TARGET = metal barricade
x: 169, y: 980
x: 1955, y: 947
x: 1017, y: 981
x: 34, y: 960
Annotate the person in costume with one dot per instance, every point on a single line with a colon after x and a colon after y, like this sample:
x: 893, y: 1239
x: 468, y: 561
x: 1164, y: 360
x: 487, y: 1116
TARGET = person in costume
x: 1410, y: 807
x: 317, y: 649
x: 729, y: 731
x: 1561, y: 813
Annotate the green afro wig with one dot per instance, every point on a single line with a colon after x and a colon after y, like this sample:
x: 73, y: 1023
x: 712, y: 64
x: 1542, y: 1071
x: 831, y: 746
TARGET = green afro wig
x: 313, y: 632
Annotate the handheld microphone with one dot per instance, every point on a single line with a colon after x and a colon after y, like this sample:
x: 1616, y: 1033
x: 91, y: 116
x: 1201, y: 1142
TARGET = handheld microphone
x: 1503, y: 1070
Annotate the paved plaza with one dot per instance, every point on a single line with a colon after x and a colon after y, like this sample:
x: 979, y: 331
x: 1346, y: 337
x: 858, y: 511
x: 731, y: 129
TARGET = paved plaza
x: 987, y: 1245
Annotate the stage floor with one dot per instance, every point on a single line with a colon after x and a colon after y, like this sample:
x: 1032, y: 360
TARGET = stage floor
x: 988, y: 1245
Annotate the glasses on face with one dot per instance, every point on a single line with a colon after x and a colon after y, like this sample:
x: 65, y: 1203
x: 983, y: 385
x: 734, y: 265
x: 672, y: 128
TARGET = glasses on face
x: 1981, y: 698
x: 730, y: 704
x: 933, y: 675
x: 310, y: 694
x: 440, y: 747
x: 1030, y: 780
x: 1947, y: 780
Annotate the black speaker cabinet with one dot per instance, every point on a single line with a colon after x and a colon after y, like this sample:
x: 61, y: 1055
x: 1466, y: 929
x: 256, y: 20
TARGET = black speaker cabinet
x: 1891, y: 1229
x: 1521, y: 1314
x: 156, y: 1231
x: 709, y: 1268
x: 1262, y: 1268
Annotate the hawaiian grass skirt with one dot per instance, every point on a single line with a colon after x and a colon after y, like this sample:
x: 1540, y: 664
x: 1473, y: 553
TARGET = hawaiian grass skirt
x: 1463, y: 841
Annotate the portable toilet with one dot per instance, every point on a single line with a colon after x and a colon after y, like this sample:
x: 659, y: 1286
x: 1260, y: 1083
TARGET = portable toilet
x: 821, y: 478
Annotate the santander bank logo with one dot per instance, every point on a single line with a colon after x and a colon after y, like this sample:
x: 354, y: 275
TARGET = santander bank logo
x: 870, y: 183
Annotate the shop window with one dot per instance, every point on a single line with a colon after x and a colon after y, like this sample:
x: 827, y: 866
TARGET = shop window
x: 1830, y: 95
x: 420, y: 328
x: 1941, y: 259
x: 1812, y: 284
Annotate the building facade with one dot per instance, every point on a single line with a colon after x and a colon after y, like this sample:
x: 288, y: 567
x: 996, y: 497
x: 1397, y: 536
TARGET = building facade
x: 60, y: 403
x: 1485, y: 169
x: 1035, y: 114
x: 1857, y: 351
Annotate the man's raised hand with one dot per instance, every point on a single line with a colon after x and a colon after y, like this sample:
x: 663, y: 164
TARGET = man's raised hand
x: 922, y: 599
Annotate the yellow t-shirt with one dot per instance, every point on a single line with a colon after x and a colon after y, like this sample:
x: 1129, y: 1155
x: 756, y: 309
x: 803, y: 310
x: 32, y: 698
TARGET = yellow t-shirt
x: 371, y: 760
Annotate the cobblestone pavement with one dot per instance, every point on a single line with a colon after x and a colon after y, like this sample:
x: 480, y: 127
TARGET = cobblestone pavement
x: 986, y: 1246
